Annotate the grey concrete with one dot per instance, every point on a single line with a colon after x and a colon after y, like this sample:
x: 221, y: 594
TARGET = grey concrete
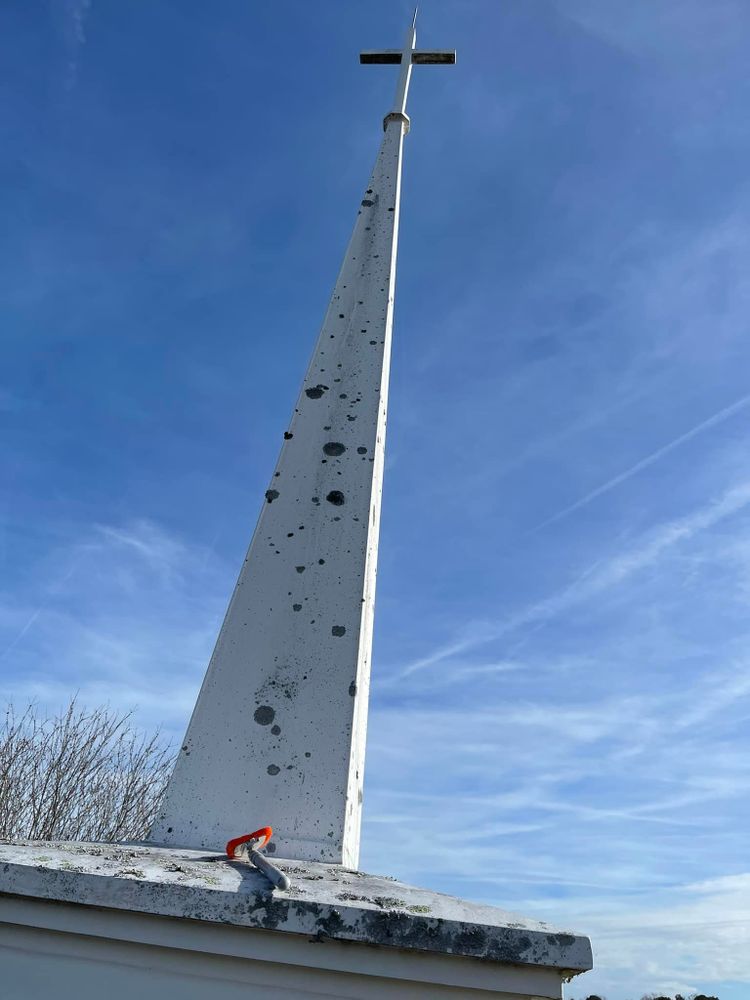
x: 324, y: 903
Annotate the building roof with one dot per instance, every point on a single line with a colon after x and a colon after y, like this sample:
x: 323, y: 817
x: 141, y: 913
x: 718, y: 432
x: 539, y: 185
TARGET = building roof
x: 324, y: 901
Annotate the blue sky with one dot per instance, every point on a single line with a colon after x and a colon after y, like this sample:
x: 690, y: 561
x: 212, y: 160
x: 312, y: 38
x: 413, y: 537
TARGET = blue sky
x: 561, y: 683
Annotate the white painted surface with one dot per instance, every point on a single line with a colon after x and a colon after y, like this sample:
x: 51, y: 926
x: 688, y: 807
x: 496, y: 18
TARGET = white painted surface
x: 75, y: 953
x: 277, y: 737
x: 404, y: 76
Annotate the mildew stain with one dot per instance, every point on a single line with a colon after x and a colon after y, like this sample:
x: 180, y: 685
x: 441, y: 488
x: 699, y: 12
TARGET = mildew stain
x: 264, y: 715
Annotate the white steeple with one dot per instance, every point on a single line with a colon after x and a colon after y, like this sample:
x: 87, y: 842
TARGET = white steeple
x: 277, y: 736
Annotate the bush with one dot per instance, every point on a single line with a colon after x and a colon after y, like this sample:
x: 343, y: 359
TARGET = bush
x: 79, y: 775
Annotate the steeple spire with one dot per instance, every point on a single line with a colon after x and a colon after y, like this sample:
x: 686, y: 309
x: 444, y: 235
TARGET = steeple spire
x: 277, y: 736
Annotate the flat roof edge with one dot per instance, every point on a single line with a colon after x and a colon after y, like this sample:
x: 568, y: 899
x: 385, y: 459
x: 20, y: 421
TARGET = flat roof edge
x: 324, y: 901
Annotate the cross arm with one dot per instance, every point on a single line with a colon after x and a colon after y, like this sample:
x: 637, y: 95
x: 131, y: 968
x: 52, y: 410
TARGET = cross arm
x: 445, y: 57
x: 419, y: 57
x: 389, y: 56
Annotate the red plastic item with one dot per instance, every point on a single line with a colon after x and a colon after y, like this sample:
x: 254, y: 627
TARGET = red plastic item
x: 265, y: 833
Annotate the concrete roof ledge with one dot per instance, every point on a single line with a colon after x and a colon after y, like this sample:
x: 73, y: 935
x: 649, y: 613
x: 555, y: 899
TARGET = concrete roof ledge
x: 324, y: 902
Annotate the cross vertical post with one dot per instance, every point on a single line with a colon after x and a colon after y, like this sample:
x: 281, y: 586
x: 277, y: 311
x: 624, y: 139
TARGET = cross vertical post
x: 402, y: 88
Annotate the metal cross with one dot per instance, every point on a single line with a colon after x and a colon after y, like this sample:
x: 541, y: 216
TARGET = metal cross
x: 407, y: 57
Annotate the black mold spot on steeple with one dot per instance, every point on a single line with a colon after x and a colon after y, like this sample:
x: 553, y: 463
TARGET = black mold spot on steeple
x: 264, y: 715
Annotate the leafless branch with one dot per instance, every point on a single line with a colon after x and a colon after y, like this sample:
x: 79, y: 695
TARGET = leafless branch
x: 79, y: 775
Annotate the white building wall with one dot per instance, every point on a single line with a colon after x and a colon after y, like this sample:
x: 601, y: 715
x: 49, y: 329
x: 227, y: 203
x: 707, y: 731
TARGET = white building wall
x: 82, y: 953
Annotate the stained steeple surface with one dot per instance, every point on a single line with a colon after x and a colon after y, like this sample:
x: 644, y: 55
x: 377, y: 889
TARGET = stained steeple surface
x: 277, y: 736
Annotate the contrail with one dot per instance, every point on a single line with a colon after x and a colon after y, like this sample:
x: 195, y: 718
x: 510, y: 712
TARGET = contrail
x: 12, y: 644
x: 602, y: 575
x: 717, y: 418
x: 75, y: 37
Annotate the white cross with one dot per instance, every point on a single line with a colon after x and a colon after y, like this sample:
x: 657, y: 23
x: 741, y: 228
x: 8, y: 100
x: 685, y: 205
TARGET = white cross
x: 407, y: 57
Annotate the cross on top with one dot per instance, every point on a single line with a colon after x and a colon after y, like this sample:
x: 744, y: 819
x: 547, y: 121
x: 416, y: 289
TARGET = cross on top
x: 407, y: 57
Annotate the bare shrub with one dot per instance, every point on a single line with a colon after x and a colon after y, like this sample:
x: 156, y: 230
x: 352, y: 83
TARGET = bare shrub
x: 79, y: 775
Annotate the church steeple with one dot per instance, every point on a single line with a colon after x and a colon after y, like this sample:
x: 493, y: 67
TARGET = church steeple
x: 277, y: 736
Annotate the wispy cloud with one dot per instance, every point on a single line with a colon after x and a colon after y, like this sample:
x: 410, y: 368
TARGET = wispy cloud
x: 536, y: 808
x: 599, y: 577
x: 21, y: 633
x: 676, y: 939
x: 75, y: 13
x: 644, y: 463
x: 126, y: 611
